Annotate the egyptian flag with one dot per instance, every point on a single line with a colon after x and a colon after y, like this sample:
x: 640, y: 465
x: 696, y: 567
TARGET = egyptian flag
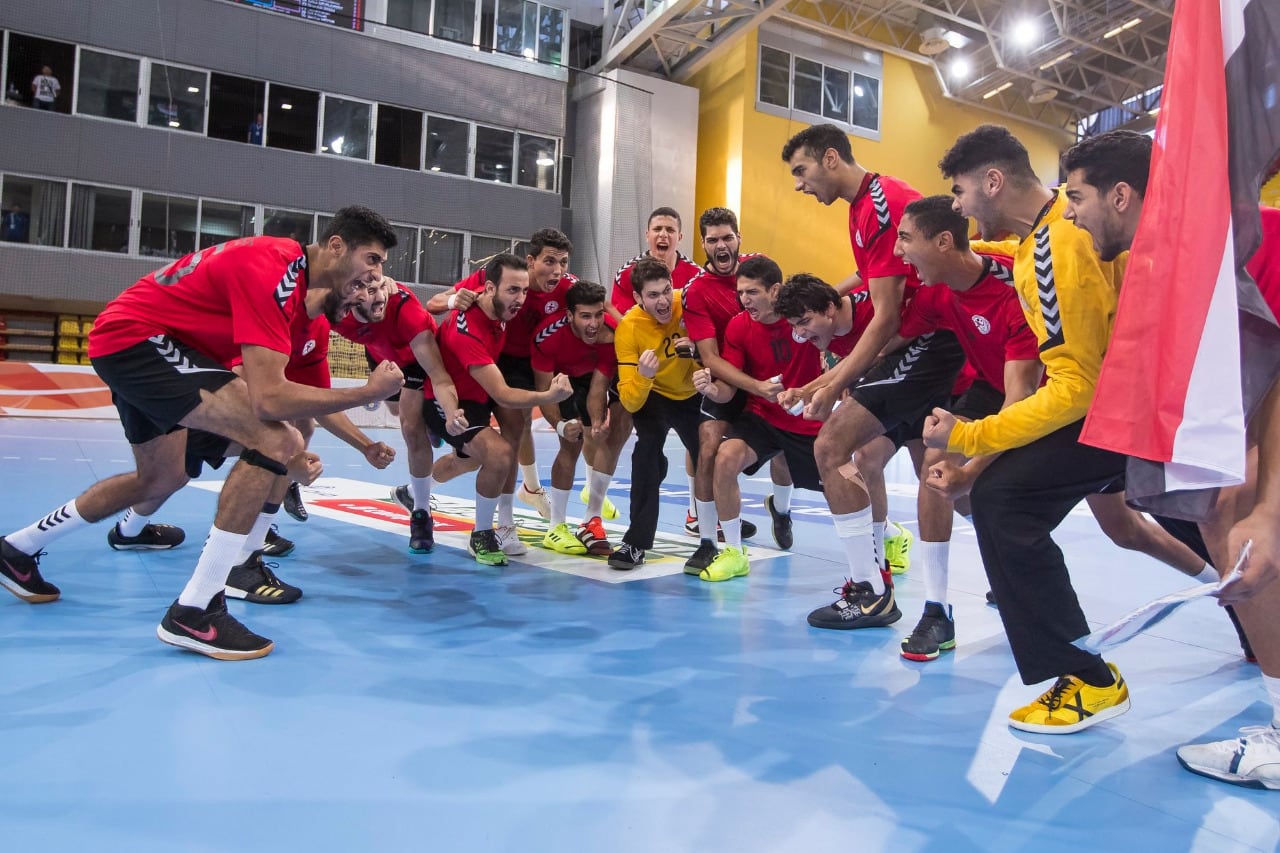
x: 1194, y: 348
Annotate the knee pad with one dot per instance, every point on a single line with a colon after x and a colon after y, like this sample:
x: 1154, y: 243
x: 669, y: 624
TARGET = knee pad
x: 252, y: 457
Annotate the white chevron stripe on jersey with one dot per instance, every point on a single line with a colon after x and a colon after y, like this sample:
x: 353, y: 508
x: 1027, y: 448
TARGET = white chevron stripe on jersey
x: 1048, y: 291
x: 289, y: 283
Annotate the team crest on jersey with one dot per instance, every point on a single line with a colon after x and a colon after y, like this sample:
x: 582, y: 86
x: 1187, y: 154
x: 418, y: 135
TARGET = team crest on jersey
x: 309, y: 347
x: 551, y: 307
x: 982, y: 324
x: 797, y: 337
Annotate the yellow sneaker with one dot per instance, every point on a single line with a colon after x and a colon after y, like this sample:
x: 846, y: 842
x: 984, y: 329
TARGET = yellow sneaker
x: 561, y: 540
x: 730, y: 563
x: 1071, y: 705
x: 607, y: 510
x: 897, y: 550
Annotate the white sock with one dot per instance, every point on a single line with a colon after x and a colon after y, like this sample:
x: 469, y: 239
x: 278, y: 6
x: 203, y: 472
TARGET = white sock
x: 854, y: 530
x: 708, y: 518
x: 877, y: 538
x: 484, y: 511
x: 732, y: 528
x: 420, y: 488
x: 559, y: 504
x: 1207, y: 575
x: 781, y: 499
x: 933, y: 568
x: 693, y: 502
x: 530, y: 475
x: 55, y: 525
x: 590, y: 471
x: 505, y: 516
x: 257, y: 537
x: 131, y: 523
x: 599, y: 483
x: 210, y: 576
x: 1273, y: 690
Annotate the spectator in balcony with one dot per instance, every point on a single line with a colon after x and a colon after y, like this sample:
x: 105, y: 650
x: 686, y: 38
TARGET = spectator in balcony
x: 45, y: 89
x: 255, y: 131
x: 15, y: 225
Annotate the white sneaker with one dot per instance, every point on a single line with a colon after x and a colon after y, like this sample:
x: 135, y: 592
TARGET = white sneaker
x: 1251, y: 760
x: 509, y: 541
x: 536, y: 498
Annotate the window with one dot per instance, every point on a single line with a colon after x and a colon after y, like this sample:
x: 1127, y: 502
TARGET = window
x: 293, y: 224
x: 455, y: 20
x: 484, y: 248
x: 28, y: 58
x: 834, y: 90
x: 399, y: 137
x: 536, y: 166
x: 100, y: 218
x: 33, y: 211
x: 550, y: 34
x: 509, y: 27
x: 806, y: 86
x: 402, y: 258
x: 410, y: 15
x: 292, y: 116
x: 168, y: 226
x: 346, y: 128
x: 447, y: 142
x: 866, y: 101
x: 775, y: 77
x: 222, y: 221
x: 441, y: 257
x: 494, y: 149
x: 835, y: 94
x: 235, y: 104
x: 177, y: 97
x: 528, y: 29
x: 107, y: 86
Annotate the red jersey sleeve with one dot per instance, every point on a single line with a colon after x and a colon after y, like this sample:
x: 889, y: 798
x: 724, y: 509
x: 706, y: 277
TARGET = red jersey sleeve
x: 697, y: 314
x: 412, y: 319
x: 475, y: 282
x: 607, y: 359
x: 540, y: 356
x: 259, y: 317
x: 735, y: 342
x: 622, y: 297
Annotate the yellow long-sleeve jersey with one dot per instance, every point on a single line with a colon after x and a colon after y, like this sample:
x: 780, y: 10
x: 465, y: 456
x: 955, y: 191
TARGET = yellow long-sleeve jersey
x: 1068, y: 296
x: 637, y: 332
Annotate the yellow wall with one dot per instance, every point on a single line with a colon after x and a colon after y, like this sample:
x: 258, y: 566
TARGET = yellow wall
x: 801, y: 235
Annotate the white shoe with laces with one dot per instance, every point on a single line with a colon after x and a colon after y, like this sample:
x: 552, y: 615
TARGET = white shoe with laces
x: 1251, y: 760
x: 509, y: 541
x: 535, y: 498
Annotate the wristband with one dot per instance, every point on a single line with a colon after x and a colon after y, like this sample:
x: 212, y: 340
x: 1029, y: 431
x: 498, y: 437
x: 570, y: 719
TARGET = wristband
x: 453, y: 301
x: 560, y: 426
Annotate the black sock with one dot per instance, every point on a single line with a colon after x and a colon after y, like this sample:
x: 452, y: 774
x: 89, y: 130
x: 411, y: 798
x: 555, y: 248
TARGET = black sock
x: 1098, y: 675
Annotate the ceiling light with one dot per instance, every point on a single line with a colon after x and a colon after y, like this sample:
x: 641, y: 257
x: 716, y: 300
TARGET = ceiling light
x: 337, y: 144
x: 1041, y: 93
x: 1055, y: 61
x: 435, y: 168
x: 286, y: 106
x: 960, y: 68
x: 1125, y: 26
x: 997, y: 90
x: 528, y: 53
x: 933, y: 41
x: 175, y: 124
x: 545, y: 161
x: 858, y: 91
x: 195, y: 90
x: 1153, y: 111
x: 1025, y: 32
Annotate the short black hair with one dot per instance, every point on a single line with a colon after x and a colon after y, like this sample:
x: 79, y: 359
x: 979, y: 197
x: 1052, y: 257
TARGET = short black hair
x: 1111, y: 158
x: 816, y: 140
x: 935, y: 214
x: 503, y: 261
x: 717, y: 216
x: 548, y: 238
x: 584, y: 293
x: 990, y: 145
x: 761, y: 268
x: 648, y: 269
x: 664, y: 211
x: 804, y: 292
x: 358, y: 225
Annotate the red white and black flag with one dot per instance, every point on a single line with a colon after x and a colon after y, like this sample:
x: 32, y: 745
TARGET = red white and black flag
x: 1194, y: 348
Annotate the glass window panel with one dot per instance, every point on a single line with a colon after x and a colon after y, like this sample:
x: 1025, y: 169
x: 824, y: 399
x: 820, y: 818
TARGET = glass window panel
x: 455, y: 20
x: 400, y: 260
x: 168, y: 226
x: 866, y: 102
x: 537, y: 162
x: 28, y: 57
x: 33, y: 211
x: 235, y: 106
x: 484, y: 248
x: 775, y: 77
x: 108, y: 86
x: 447, y: 145
x: 346, y: 128
x: 409, y: 14
x: 222, y: 221
x: 835, y: 93
x: 177, y: 98
x: 550, y: 34
x: 399, y: 137
x: 509, y: 27
x: 99, y: 218
x: 292, y: 115
x: 494, y: 150
x: 287, y: 223
x: 440, y: 261
x: 807, y: 86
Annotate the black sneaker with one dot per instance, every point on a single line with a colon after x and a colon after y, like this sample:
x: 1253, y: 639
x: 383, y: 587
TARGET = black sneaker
x: 402, y: 496
x: 626, y: 558
x: 255, y: 582
x: 421, y: 532
x: 701, y: 558
x: 211, y: 631
x: 277, y: 545
x: 20, y: 574
x: 933, y: 634
x: 691, y: 528
x: 857, y: 607
x: 991, y: 599
x: 293, y: 503
x: 781, y: 525
x: 153, y: 537
x: 484, y: 546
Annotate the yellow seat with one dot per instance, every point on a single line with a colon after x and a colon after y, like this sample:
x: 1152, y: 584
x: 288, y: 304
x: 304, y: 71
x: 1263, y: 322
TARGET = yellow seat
x: 69, y: 326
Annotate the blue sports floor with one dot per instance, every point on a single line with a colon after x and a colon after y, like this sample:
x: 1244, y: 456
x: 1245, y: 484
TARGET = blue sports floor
x: 426, y: 703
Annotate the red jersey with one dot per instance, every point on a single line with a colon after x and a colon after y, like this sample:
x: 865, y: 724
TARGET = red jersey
x: 763, y: 351
x: 389, y: 338
x: 467, y: 339
x: 217, y: 300
x: 538, y: 306
x: 1264, y: 266
x: 309, y: 357
x: 623, y: 297
x: 873, y: 229
x: 710, y: 302
x: 987, y: 319
x: 556, y: 349
x: 863, y: 311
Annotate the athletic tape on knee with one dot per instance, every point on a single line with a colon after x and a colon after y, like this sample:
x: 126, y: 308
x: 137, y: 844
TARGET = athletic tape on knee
x: 253, y: 457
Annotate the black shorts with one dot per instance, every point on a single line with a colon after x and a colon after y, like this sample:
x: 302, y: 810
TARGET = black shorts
x: 980, y: 400
x: 414, y: 376
x: 204, y: 448
x: 156, y: 383
x: 767, y: 441
x: 908, y: 384
x: 478, y: 415
x: 517, y: 371
x: 730, y: 411
x: 576, y: 406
